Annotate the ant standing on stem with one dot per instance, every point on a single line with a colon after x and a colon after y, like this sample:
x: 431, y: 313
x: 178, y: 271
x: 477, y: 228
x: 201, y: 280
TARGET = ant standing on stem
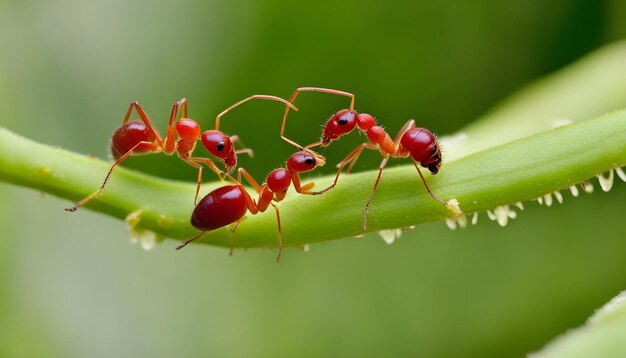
x: 418, y: 143
x: 229, y: 204
x: 142, y: 137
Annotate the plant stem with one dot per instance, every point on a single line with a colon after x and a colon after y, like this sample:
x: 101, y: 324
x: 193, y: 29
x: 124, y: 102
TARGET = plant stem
x: 517, y: 171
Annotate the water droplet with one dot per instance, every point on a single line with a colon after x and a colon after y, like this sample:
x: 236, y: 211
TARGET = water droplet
x: 587, y: 187
x: 475, y: 218
x: 390, y: 235
x: 451, y: 224
x: 558, y: 196
x: 574, y: 190
x: 606, y: 183
x: 520, y: 205
x: 548, y: 199
x: 621, y: 174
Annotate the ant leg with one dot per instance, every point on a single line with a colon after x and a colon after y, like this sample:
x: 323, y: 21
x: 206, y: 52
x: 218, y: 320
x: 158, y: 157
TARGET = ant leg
x: 256, y: 96
x: 426, y: 185
x: 265, y: 199
x: 232, y: 232
x: 302, y: 189
x: 265, y: 194
x: 195, y: 162
x: 410, y: 124
x: 179, y: 110
x: 190, y: 240
x: 249, y: 178
x: 154, y: 148
x: 310, y: 89
x: 280, y: 234
x: 248, y: 151
x: 369, y: 200
x: 350, y: 158
x: 145, y: 119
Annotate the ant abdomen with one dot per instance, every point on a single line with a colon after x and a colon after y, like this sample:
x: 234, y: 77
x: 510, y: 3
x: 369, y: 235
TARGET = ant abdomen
x: 221, y: 207
x: 128, y: 135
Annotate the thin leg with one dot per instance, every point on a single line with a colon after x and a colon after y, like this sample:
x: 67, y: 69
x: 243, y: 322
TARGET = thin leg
x: 235, y: 138
x: 190, y: 240
x: 369, y: 200
x: 426, y: 185
x: 247, y: 151
x: 256, y: 96
x: 155, y: 148
x: 301, y: 189
x: 145, y: 119
x: 179, y: 110
x: 249, y: 178
x: 280, y: 234
x: 232, y: 232
x: 310, y: 89
x: 410, y: 124
x: 195, y: 162
x: 354, y: 154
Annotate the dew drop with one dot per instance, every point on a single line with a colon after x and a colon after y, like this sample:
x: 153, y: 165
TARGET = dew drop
x: 520, y: 205
x: 574, y: 190
x: 587, y: 187
x: 606, y: 183
x: 390, y: 236
x: 451, y: 224
x: 548, y: 199
x: 621, y: 174
x: 558, y: 196
x: 475, y: 218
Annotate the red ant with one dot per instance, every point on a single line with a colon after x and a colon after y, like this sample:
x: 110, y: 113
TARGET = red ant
x: 142, y: 137
x: 418, y: 143
x: 228, y: 204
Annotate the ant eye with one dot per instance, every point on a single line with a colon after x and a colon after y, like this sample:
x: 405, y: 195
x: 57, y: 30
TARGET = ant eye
x: 309, y: 160
x: 343, y: 121
x: 220, y: 146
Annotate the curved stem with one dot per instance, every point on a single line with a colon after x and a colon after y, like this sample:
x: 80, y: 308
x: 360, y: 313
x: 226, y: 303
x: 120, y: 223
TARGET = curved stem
x: 517, y: 171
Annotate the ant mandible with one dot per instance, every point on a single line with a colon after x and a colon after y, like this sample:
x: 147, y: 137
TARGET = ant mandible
x: 229, y: 204
x: 142, y: 137
x: 418, y: 143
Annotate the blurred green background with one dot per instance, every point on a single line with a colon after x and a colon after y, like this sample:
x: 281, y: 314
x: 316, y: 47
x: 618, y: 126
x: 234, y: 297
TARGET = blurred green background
x: 72, y: 285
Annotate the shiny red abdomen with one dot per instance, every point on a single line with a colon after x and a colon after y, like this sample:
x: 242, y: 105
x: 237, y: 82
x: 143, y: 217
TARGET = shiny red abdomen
x: 221, y: 207
x: 129, y: 135
x: 419, y: 142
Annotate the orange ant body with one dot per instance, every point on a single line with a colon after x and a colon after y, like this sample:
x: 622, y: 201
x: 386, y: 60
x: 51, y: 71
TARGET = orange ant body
x: 142, y: 137
x: 418, y: 143
x: 229, y: 204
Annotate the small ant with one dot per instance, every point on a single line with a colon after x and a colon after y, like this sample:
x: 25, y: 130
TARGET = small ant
x: 142, y: 137
x: 418, y: 143
x: 228, y: 204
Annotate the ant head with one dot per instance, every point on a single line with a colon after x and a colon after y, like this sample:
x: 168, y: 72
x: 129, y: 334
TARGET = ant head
x: 342, y: 122
x: 302, y: 162
x: 188, y: 130
x: 218, y: 144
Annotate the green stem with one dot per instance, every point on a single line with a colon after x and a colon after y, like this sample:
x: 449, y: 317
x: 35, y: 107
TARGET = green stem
x: 517, y: 171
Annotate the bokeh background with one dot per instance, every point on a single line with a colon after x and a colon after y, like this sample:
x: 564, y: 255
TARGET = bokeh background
x: 72, y: 285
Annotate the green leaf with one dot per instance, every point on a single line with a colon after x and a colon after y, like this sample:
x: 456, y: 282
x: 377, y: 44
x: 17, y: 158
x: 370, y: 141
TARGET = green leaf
x: 601, y: 336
